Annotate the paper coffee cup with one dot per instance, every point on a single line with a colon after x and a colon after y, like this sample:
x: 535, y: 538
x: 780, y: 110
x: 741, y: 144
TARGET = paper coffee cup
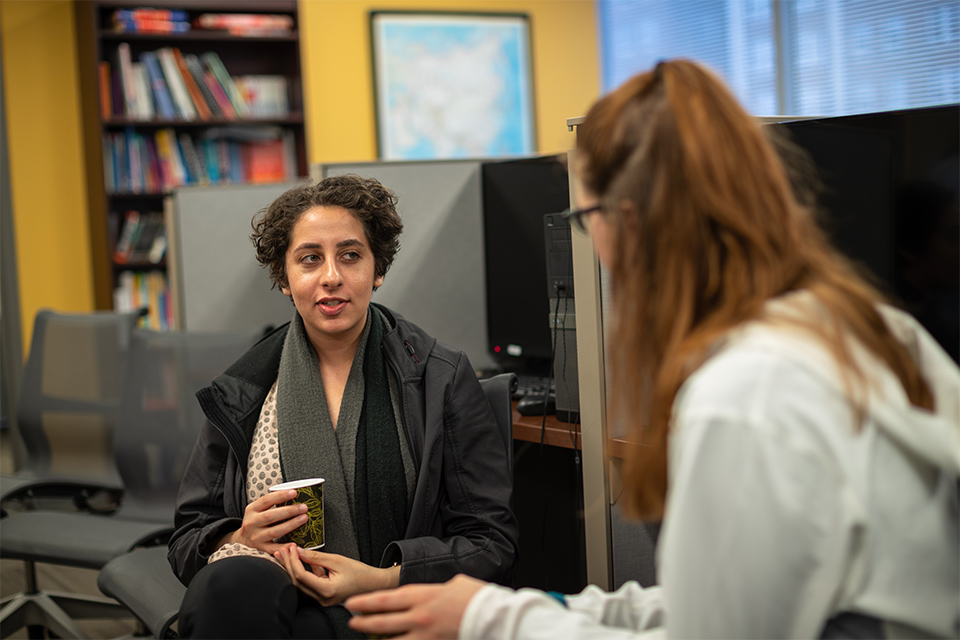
x: 309, y: 535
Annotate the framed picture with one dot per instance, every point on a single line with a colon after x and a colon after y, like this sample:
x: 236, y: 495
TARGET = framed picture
x: 452, y: 85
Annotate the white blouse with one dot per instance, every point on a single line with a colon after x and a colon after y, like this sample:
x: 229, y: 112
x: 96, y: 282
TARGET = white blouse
x: 781, y: 513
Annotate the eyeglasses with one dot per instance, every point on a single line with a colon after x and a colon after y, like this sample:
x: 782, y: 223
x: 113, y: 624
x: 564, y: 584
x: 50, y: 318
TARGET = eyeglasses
x: 577, y: 217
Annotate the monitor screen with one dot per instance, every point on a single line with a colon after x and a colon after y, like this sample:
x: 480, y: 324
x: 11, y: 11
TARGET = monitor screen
x: 516, y: 196
x: 890, y: 201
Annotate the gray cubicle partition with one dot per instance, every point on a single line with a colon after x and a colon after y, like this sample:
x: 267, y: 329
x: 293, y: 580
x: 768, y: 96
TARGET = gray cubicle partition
x: 437, y: 280
x: 217, y: 283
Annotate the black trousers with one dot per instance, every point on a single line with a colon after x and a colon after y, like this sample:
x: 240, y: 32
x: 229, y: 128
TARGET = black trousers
x: 246, y: 597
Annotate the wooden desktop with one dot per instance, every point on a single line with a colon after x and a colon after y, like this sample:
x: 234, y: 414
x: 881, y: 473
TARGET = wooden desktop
x: 558, y: 433
x: 555, y: 432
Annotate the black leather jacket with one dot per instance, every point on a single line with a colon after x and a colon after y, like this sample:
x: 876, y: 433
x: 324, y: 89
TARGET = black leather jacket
x: 460, y: 519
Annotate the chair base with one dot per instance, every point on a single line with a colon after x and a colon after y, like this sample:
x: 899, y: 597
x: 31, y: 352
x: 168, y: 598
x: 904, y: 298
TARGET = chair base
x: 55, y: 611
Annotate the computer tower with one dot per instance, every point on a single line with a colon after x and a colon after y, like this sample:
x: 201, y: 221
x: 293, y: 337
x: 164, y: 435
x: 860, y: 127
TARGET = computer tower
x: 563, y: 317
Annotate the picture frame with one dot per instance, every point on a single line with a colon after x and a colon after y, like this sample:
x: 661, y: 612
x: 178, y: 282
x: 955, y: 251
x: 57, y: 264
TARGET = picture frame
x: 452, y: 85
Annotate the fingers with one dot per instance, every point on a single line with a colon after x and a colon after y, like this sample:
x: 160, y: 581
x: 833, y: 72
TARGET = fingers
x: 399, y: 599
x: 420, y: 611
x: 331, y: 561
x: 383, y: 625
x: 288, y: 557
x: 316, y: 584
x: 273, y: 498
x: 264, y: 521
x: 265, y: 510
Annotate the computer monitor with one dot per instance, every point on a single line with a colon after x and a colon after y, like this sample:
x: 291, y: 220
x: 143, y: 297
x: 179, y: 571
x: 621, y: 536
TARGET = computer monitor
x: 890, y: 200
x: 516, y: 196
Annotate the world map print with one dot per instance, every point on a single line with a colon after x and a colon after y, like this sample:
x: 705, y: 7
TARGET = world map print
x: 452, y: 86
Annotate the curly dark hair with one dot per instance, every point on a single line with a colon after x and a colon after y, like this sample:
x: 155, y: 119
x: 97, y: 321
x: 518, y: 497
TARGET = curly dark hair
x: 373, y: 204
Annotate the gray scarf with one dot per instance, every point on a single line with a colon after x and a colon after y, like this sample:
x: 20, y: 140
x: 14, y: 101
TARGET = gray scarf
x: 310, y: 447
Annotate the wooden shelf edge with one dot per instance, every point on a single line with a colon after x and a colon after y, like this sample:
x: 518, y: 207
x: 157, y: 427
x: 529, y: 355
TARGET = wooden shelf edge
x: 295, y: 118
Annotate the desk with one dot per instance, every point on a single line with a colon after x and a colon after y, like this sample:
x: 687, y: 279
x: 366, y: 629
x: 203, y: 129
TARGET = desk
x: 527, y: 428
x: 557, y: 433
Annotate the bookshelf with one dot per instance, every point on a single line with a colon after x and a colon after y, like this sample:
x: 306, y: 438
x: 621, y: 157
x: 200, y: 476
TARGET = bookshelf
x: 139, y: 146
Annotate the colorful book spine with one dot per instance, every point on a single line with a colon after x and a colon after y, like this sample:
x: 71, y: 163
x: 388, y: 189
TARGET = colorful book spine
x: 153, y: 179
x: 143, y: 93
x: 175, y: 81
x: 237, y: 170
x: 147, y: 20
x: 150, y: 26
x: 135, y: 168
x: 172, y: 15
x: 120, y: 163
x: 199, y: 103
x: 169, y: 152
x: 226, y: 81
x: 211, y: 156
x: 155, y: 283
x: 192, y: 160
x: 106, y: 90
x: 218, y: 94
x: 223, y: 157
x: 196, y: 72
x: 266, y: 162
x: 161, y: 93
x: 109, y: 178
x: 245, y: 23
x: 128, y: 237
x: 127, y: 83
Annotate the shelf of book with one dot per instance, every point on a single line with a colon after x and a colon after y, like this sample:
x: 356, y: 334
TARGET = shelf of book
x: 179, y: 93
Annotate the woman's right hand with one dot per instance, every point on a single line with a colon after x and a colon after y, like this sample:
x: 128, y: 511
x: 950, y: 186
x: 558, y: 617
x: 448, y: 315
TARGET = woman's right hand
x: 264, y: 521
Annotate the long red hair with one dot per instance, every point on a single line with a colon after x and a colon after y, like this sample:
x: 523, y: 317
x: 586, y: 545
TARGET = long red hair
x: 707, y: 228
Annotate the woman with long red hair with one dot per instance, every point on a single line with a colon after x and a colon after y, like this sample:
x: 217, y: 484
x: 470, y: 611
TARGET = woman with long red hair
x: 798, y: 435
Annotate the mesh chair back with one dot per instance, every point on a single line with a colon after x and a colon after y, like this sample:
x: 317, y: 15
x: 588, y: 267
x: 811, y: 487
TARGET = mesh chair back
x: 70, y: 396
x: 160, y: 417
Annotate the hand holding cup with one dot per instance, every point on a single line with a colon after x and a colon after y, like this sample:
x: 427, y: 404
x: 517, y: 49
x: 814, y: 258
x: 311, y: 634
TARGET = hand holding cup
x: 309, y: 493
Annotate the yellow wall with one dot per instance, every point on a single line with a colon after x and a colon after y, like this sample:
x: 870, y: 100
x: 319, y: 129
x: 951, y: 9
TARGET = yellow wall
x: 44, y: 129
x: 338, y: 76
x: 46, y: 158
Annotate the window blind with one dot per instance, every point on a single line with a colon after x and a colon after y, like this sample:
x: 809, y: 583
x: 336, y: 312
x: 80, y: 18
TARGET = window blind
x: 796, y: 57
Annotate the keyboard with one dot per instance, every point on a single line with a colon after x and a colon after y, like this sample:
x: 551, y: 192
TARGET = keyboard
x: 533, y: 385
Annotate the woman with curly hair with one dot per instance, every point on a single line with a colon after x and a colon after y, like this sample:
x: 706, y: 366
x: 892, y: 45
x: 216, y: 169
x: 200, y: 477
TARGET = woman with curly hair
x: 416, y: 486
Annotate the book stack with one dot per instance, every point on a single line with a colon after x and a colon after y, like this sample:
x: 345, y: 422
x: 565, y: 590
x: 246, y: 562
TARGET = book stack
x: 142, y: 239
x: 170, y: 85
x: 265, y: 95
x: 150, y: 21
x: 245, y: 24
x: 145, y: 289
x: 135, y: 162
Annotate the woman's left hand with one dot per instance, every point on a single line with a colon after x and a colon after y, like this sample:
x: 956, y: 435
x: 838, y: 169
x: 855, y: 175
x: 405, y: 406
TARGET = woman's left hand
x: 334, y: 578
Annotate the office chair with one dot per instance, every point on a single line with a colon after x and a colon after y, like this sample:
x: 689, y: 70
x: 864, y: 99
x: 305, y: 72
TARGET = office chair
x: 158, y: 423
x: 498, y: 390
x: 143, y: 581
x: 68, y: 407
